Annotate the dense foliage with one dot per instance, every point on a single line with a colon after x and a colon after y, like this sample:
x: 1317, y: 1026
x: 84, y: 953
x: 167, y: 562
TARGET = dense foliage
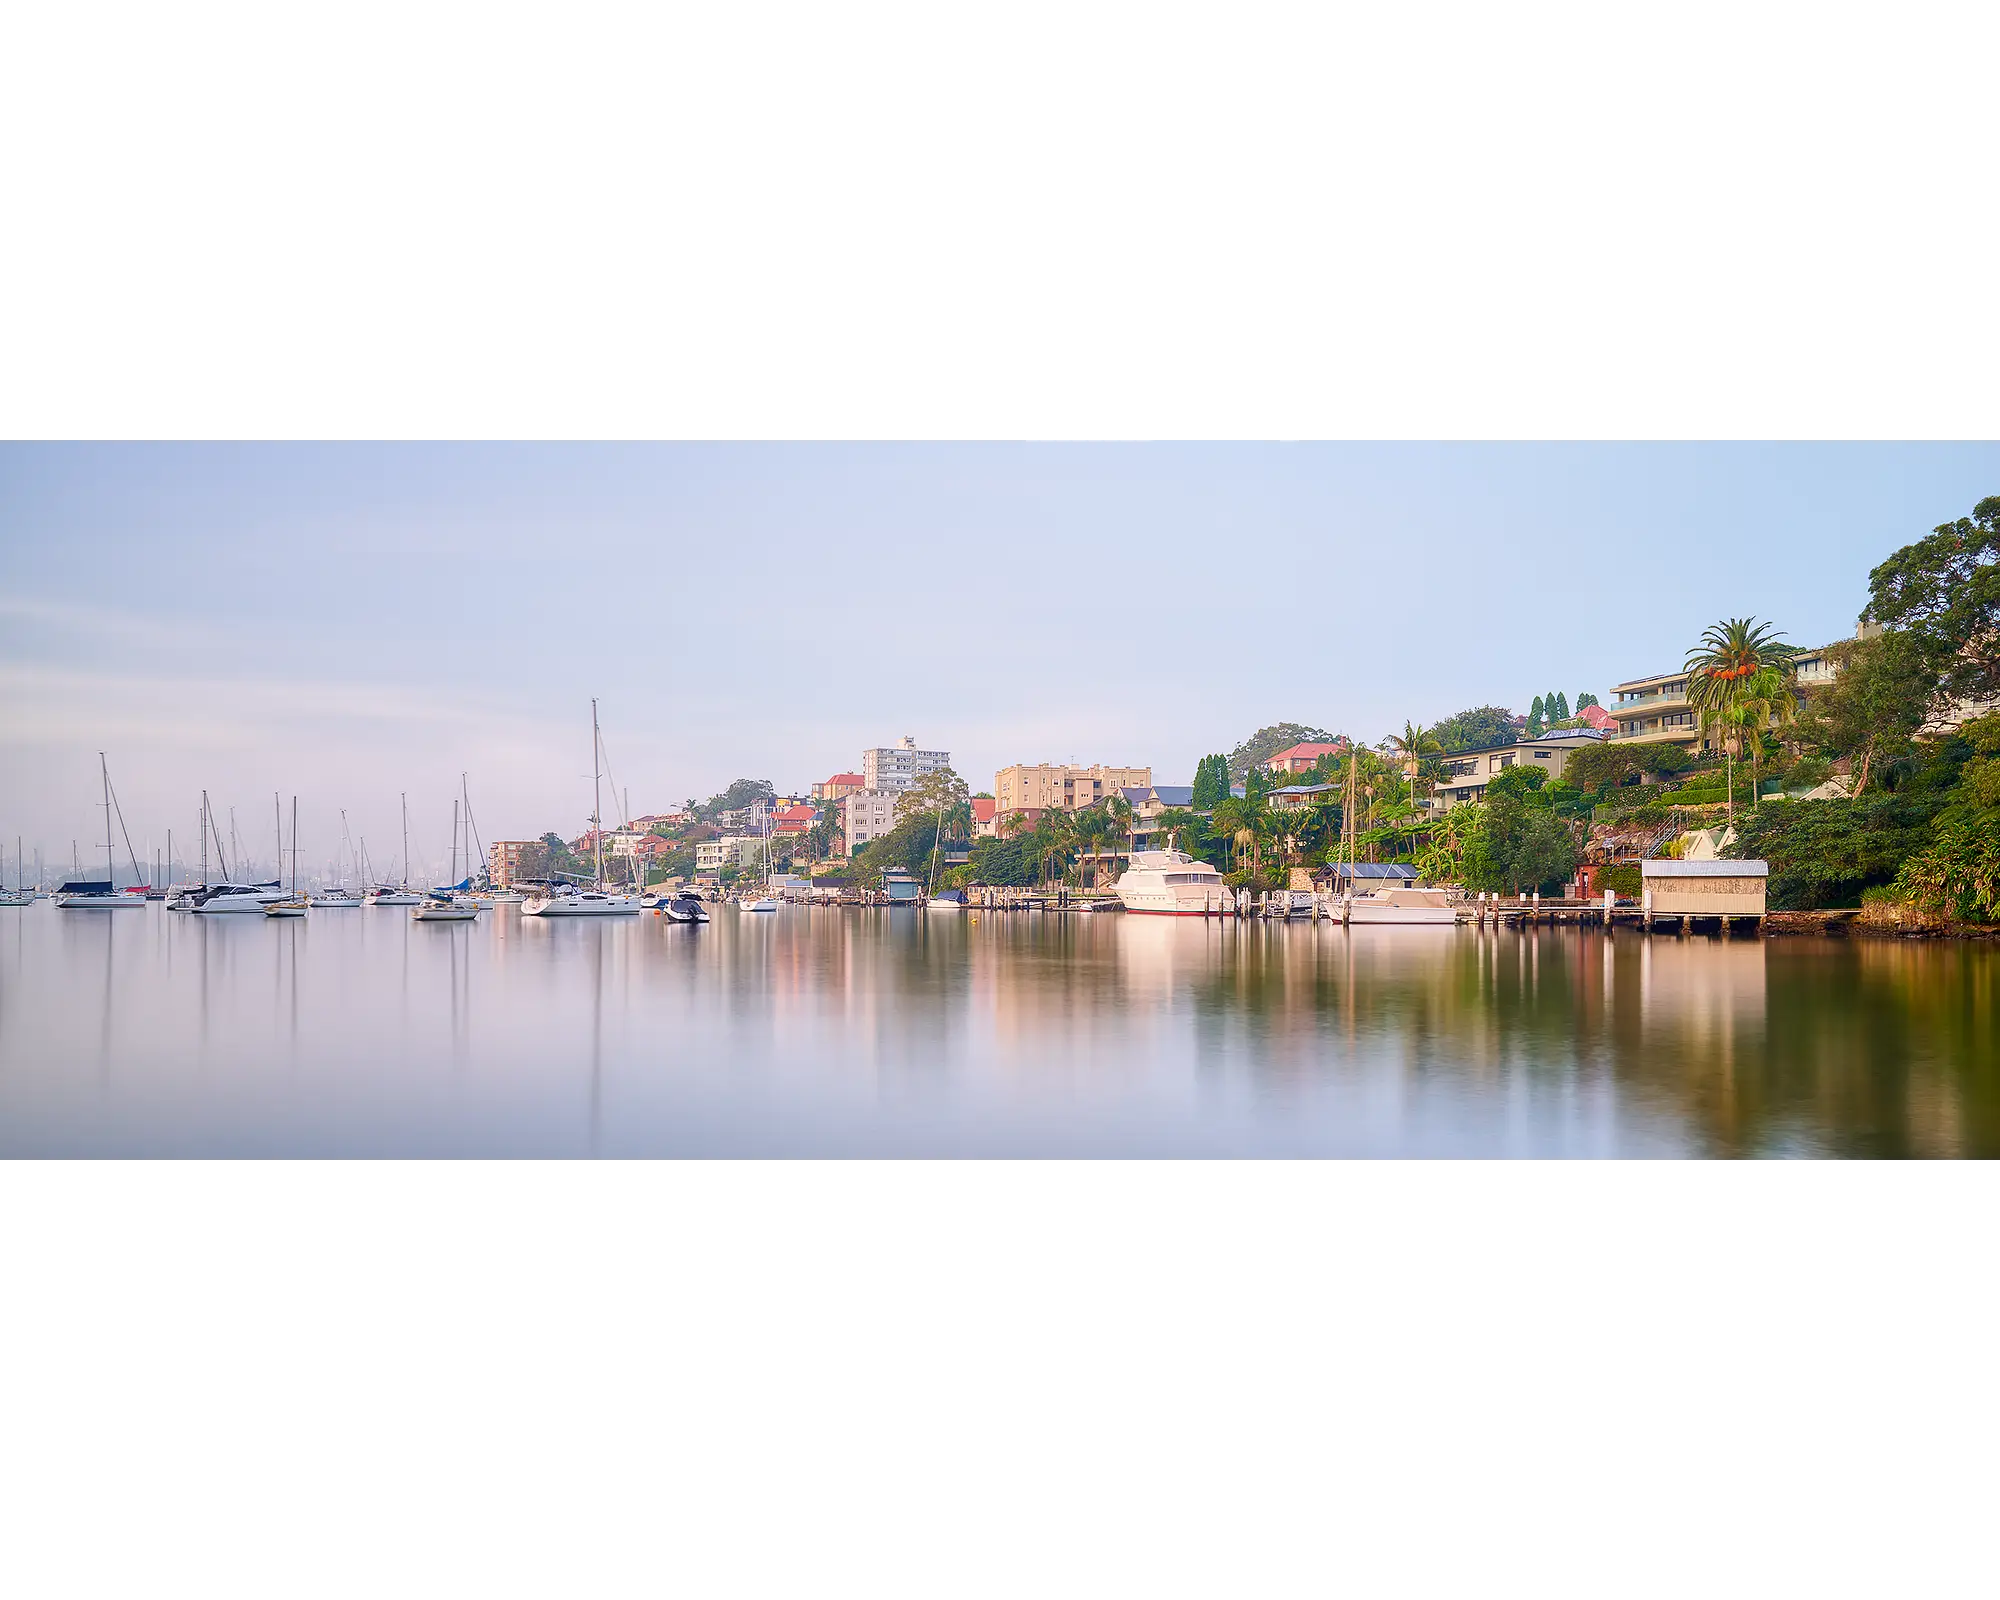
x: 743, y: 792
x: 1267, y: 742
x: 1211, y: 781
x: 1944, y: 593
x: 1475, y: 728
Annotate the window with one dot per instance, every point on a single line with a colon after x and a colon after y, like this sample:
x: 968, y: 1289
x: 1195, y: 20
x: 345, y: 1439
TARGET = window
x: 1543, y: 755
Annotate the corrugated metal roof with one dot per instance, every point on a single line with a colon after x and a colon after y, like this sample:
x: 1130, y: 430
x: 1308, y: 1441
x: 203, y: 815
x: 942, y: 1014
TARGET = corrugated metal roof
x: 1704, y: 869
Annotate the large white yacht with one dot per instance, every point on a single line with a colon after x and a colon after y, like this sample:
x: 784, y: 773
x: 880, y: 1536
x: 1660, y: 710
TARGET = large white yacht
x: 1172, y: 883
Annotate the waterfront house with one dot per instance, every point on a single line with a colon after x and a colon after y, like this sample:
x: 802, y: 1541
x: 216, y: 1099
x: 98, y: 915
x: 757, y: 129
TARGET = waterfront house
x: 1299, y: 795
x: 793, y: 819
x: 985, y: 819
x: 1302, y: 758
x: 1468, y: 772
x: 1148, y: 801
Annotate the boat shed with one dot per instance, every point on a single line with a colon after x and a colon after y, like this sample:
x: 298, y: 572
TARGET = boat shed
x: 1365, y: 875
x: 1704, y: 888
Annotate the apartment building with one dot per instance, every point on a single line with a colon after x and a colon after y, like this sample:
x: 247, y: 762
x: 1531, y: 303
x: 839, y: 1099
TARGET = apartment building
x: 503, y: 860
x: 1048, y: 788
x: 866, y: 815
x: 838, y: 787
x: 892, y: 768
x: 1655, y: 710
x: 1467, y: 772
x: 731, y: 850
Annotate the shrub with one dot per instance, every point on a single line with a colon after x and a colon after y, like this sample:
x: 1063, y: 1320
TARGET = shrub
x: 1625, y: 879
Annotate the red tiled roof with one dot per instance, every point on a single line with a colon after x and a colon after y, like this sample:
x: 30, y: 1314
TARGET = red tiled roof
x: 1598, y: 717
x: 853, y: 778
x: 1308, y: 752
x: 982, y: 810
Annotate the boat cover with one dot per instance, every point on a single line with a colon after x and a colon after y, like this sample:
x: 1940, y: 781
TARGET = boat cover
x: 83, y: 886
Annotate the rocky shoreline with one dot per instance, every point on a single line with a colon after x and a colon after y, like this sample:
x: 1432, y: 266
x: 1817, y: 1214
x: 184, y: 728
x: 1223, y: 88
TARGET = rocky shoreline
x: 1892, y: 922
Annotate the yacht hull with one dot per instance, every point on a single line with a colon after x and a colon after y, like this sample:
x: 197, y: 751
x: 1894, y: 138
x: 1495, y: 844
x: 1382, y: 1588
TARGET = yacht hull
x: 97, y: 902
x: 616, y: 905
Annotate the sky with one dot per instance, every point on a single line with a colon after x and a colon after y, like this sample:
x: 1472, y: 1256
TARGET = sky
x: 350, y: 623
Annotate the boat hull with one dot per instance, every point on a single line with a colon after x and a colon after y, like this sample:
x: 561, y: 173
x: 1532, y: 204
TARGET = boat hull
x: 577, y: 906
x: 1361, y: 914
x: 97, y: 902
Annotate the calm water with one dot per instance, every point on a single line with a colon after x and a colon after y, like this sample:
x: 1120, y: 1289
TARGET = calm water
x: 892, y: 1033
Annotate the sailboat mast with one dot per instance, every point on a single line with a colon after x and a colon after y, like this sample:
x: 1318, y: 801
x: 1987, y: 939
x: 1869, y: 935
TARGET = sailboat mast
x: 454, y: 838
x: 596, y: 795
x: 278, y: 820
x: 295, y: 847
x: 110, y: 860
x: 204, y: 838
x: 406, y: 841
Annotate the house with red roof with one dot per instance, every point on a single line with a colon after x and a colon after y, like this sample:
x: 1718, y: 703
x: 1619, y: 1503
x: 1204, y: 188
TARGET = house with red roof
x: 794, y: 819
x: 1303, y: 757
x: 984, y: 818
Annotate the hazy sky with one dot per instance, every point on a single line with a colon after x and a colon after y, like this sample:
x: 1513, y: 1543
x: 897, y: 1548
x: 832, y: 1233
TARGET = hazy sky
x: 350, y: 622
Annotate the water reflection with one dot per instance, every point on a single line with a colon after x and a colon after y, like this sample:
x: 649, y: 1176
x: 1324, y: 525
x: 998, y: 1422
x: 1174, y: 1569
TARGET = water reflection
x: 828, y: 1032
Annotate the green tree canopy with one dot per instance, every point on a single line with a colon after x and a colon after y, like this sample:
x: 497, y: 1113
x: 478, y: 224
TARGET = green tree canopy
x: 1211, y: 782
x: 743, y: 792
x: 1267, y: 742
x: 1475, y: 728
x: 1873, y: 709
x: 1945, y: 592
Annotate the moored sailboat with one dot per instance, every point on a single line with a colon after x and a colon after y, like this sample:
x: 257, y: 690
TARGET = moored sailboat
x: 98, y: 894
x: 558, y: 899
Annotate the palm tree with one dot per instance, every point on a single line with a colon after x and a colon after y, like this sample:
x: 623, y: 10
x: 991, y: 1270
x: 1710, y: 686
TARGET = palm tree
x: 1719, y: 671
x: 1413, y: 744
x: 1121, y: 811
x: 1770, y: 701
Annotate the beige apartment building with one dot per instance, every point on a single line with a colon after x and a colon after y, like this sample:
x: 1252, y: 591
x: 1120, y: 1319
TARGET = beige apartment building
x: 1052, y: 788
x: 503, y: 860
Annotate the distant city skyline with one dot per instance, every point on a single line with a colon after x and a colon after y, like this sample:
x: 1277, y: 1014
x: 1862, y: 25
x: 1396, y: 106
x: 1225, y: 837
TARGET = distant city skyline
x: 349, y: 622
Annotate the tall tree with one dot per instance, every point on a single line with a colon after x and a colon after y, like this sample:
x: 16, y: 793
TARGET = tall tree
x: 1945, y: 592
x: 1211, y: 782
x: 1875, y: 705
x: 1475, y: 729
x: 1267, y: 742
x: 1719, y: 668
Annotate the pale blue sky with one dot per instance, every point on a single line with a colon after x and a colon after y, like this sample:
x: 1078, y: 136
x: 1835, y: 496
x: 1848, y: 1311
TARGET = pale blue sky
x: 347, y: 622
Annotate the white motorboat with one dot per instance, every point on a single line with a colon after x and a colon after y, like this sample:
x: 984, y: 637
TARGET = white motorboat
x: 1413, y: 904
x: 388, y: 895
x: 333, y: 898
x: 504, y: 897
x: 756, y: 903
x: 285, y: 908
x: 683, y: 908
x: 1172, y: 883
